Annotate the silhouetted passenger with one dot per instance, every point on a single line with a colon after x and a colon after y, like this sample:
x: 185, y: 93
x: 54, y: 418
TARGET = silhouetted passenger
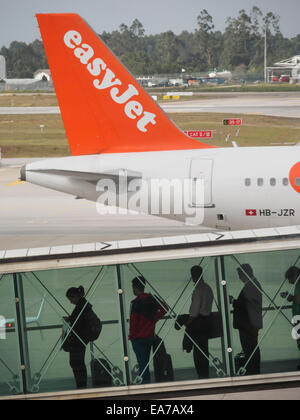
x: 247, y: 317
x: 144, y: 314
x: 199, y: 321
x: 77, y: 346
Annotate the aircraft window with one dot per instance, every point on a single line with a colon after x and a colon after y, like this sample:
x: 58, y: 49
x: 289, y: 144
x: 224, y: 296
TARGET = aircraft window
x: 297, y: 182
x: 260, y: 182
x: 273, y: 182
x: 247, y: 182
x: 285, y: 181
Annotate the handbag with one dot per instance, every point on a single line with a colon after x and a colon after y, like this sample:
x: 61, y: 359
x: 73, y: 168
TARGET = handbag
x: 69, y: 344
x: 216, y: 326
x: 210, y: 326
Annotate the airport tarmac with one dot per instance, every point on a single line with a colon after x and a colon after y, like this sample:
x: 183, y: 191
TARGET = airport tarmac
x: 32, y: 216
x: 278, y: 104
x: 283, y: 104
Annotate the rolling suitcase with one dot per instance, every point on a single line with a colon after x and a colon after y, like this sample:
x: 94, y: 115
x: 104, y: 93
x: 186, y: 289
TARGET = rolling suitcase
x: 162, y: 362
x: 240, y: 361
x: 101, y: 370
x: 101, y: 373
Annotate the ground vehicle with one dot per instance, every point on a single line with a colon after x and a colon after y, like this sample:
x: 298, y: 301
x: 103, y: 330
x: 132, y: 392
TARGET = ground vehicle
x: 284, y: 78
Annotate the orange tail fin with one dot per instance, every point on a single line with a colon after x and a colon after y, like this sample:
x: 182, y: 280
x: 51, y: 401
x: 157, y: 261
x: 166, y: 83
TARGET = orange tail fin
x: 104, y: 109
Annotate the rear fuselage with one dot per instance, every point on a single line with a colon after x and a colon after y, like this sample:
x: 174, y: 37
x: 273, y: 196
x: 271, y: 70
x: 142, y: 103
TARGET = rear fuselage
x: 243, y: 187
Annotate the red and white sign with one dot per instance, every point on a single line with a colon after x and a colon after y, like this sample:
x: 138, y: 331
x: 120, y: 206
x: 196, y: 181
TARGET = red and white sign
x: 232, y: 121
x: 199, y: 133
x: 251, y: 212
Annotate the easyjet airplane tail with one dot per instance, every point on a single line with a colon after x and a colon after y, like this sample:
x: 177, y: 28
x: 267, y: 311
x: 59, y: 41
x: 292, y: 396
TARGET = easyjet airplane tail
x: 103, y: 108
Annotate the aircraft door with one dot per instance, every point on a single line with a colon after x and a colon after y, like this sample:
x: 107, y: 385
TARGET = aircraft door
x: 201, y: 169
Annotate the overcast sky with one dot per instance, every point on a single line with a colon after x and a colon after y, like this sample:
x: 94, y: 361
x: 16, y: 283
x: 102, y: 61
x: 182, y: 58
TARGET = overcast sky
x: 17, y: 21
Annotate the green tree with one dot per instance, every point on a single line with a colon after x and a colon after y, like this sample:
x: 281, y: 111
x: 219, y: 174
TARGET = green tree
x: 206, y: 39
x: 295, y: 45
x: 23, y: 60
x: 167, y: 53
x: 237, y: 40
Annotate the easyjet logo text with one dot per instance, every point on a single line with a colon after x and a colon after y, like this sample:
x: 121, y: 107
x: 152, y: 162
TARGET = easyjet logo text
x: 97, y: 67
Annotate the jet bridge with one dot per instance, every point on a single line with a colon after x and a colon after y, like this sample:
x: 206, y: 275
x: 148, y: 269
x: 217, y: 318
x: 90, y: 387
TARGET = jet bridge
x: 33, y: 364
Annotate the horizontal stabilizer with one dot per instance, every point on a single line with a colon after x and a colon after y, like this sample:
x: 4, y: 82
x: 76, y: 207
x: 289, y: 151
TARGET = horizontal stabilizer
x: 93, y: 177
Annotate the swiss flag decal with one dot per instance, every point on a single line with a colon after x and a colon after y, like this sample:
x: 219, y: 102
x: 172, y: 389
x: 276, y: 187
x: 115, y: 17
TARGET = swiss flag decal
x: 251, y: 212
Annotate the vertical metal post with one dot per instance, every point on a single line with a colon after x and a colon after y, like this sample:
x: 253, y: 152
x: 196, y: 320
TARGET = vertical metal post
x: 265, y: 55
x: 21, y: 332
x: 218, y: 287
x: 224, y: 307
x: 227, y: 317
x: 122, y: 318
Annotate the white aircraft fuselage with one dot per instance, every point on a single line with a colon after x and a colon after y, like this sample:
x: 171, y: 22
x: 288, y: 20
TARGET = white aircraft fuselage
x: 243, y: 187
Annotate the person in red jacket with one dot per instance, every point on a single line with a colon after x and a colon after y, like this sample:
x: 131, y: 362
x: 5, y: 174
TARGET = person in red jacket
x: 144, y: 313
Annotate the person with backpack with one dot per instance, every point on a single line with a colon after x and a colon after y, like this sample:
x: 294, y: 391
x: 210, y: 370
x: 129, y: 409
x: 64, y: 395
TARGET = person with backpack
x: 144, y: 314
x: 86, y: 327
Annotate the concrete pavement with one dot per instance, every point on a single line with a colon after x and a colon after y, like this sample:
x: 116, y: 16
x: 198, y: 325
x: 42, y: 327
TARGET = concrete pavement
x: 284, y: 104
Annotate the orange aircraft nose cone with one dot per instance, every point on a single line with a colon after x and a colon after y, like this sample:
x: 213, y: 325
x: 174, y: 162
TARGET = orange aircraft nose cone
x: 295, y: 177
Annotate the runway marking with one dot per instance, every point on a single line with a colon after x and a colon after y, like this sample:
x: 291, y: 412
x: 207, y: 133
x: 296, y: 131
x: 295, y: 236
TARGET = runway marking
x: 286, y: 143
x: 15, y: 183
x: 32, y: 222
